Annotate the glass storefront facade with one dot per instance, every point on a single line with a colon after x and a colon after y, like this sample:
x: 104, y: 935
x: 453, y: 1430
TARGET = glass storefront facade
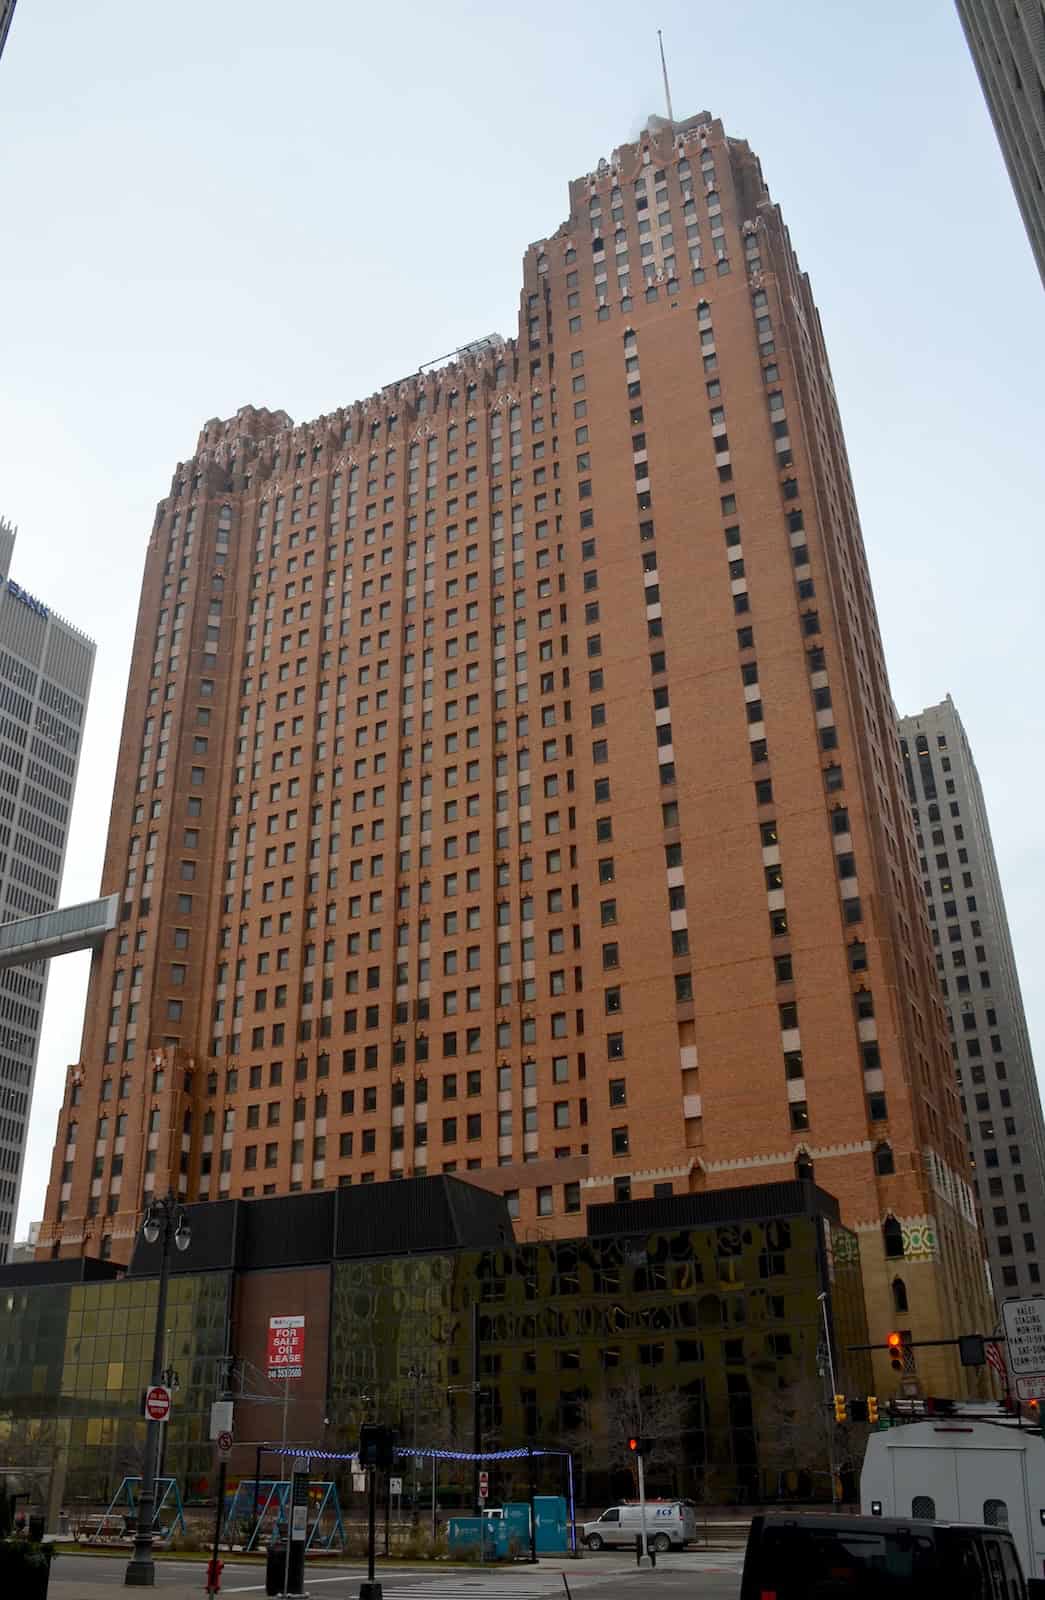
x: 708, y: 1337
x: 74, y: 1362
x: 700, y: 1336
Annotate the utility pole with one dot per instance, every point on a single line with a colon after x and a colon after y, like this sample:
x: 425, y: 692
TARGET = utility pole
x: 831, y: 1426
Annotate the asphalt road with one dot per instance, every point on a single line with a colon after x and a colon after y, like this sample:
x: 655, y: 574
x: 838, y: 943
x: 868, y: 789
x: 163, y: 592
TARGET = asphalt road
x: 698, y: 1575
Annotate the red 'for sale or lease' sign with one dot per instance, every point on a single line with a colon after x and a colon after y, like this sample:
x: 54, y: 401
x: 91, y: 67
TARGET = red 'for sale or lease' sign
x: 286, y: 1351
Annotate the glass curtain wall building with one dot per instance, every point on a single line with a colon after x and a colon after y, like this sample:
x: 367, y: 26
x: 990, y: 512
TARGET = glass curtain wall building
x: 45, y: 679
x: 696, y: 1319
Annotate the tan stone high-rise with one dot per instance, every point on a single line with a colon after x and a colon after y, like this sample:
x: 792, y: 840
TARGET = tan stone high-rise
x: 509, y: 780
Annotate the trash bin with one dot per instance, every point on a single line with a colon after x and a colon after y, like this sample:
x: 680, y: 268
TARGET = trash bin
x: 275, y: 1566
x: 36, y: 1528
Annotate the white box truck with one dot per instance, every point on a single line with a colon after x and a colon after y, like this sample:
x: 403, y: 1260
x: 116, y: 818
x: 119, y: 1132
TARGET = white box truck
x: 963, y: 1469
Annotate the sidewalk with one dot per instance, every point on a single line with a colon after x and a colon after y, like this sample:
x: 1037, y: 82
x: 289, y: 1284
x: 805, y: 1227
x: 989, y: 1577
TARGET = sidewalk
x: 83, y: 1577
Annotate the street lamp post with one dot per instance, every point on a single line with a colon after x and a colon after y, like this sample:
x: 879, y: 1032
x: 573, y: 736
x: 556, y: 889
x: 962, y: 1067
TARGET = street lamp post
x: 165, y: 1222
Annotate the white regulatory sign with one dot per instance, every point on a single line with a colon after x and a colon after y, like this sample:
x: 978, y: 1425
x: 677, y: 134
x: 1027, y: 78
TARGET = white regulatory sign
x: 1031, y: 1388
x: 220, y: 1418
x: 395, y: 1485
x: 1025, y: 1336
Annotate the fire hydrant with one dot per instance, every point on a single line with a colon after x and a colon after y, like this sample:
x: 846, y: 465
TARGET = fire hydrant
x: 214, y: 1571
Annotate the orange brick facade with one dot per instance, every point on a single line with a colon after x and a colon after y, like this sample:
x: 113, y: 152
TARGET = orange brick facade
x: 509, y: 785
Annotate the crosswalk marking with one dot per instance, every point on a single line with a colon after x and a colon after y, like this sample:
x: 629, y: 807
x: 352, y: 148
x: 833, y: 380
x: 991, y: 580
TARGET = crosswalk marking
x: 526, y: 1587
x: 447, y: 1588
x: 469, y: 1588
x: 443, y: 1588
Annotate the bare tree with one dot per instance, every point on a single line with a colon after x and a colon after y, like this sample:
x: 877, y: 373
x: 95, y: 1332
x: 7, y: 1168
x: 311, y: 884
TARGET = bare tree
x: 27, y: 1442
x: 798, y: 1432
x: 634, y: 1409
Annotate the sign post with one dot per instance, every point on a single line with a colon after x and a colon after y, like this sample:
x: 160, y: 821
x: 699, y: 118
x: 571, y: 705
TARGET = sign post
x: 371, y: 1590
x: 214, y: 1565
x: 286, y: 1357
x: 221, y: 1412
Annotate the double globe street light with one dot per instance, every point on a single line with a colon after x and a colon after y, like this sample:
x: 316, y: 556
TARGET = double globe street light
x: 166, y: 1223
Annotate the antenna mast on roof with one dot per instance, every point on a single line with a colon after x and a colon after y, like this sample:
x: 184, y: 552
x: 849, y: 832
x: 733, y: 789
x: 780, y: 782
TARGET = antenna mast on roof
x: 664, y: 69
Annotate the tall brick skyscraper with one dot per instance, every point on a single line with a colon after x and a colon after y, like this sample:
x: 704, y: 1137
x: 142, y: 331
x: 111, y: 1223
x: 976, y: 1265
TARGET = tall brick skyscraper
x: 509, y: 779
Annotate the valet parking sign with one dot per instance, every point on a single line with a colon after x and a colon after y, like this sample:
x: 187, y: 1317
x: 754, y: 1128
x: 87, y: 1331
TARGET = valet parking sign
x: 286, y: 1353
x: 1024, y: 1322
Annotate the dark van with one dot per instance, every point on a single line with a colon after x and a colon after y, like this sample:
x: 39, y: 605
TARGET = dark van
x: 795, y: 1557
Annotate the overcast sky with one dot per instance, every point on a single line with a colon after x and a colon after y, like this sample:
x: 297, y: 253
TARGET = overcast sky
x: 230, y: 202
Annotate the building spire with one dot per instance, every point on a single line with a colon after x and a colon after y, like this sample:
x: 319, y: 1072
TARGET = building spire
x: 664, y: 69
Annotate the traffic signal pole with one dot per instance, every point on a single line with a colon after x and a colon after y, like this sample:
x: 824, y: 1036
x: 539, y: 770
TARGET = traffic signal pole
x: 644, y: 1556
x: 377, y: 1449
x: 373, y: 1591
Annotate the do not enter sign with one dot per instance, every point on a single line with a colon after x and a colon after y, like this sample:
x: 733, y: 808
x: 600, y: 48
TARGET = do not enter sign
x: 157, y: 1403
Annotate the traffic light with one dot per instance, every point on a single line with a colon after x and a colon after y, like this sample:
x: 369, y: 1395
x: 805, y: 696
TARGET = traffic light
x: 640, y: 1446
x: 377, y: 1446
x: 872, y: 1408
x: 841, y: 1410
x: 896, y: 1356
x: 858, y: 1411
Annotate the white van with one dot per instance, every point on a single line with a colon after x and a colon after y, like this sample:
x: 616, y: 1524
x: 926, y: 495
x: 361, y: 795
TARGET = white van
x: 670, y: 1525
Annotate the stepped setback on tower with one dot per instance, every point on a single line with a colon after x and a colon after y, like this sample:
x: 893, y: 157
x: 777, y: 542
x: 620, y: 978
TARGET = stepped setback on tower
x: 509, y: 782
